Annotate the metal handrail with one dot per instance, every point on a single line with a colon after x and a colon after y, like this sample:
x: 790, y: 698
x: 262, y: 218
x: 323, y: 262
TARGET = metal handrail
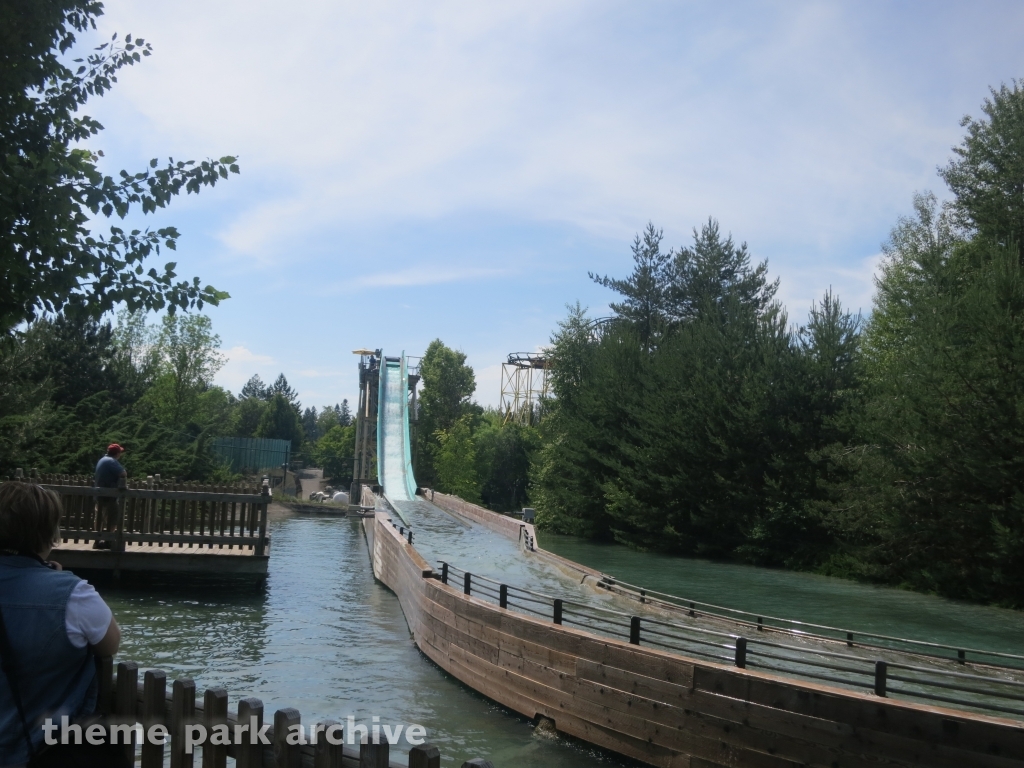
x: 683, y: 637
x: 690, y: 604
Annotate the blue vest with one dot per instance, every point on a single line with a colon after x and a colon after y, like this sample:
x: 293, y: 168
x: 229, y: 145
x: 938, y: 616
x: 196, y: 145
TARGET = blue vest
x: 54, y: 677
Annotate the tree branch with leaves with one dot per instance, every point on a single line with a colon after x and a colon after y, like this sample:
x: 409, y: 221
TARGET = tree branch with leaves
x: 53, y: 257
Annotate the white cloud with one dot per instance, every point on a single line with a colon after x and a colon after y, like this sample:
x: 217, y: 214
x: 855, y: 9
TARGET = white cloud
x: 241, y: 363
x: 425, y: 275
x: 380, y: 142
x: 348, y: 112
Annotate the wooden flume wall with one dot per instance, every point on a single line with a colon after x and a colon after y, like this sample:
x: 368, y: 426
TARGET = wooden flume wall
x: 668, y: 710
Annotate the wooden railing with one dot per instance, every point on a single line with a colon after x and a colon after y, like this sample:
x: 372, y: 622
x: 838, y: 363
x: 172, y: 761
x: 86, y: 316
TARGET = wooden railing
x: 124, y: 699
x: 161, y: 515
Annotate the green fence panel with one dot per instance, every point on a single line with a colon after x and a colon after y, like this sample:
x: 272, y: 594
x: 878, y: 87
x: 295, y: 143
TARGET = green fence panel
x: 252, y: 455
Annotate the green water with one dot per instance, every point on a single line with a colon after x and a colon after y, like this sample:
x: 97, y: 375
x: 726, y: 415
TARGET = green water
x: 803, y: 596
x: 327, y: 639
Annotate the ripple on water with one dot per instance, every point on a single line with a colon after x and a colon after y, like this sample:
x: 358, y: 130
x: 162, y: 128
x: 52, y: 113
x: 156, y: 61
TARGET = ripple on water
x: 323, y: 637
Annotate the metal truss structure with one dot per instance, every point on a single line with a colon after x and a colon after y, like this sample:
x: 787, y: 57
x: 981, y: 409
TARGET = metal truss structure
x: 524, y: 387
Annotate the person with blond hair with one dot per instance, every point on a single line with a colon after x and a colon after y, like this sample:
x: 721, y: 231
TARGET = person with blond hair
x: 52, y: 627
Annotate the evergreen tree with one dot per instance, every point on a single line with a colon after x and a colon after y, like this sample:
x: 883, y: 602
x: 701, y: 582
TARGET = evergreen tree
x: 645, y: 291
x: 310, y: 428
x: 280, y: 422
x: 282, y: 388
x: 255, y: 387
x: 987, y: 175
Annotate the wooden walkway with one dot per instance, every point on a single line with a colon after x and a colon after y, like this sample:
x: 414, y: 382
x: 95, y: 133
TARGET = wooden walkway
x: 171, y: 527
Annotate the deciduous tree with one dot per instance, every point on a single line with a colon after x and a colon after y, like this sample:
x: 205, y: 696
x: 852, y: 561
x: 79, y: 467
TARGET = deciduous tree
x: 53, y: 194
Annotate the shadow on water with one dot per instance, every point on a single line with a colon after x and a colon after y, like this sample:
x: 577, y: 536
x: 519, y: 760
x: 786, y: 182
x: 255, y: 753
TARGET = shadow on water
x: 326, y: 638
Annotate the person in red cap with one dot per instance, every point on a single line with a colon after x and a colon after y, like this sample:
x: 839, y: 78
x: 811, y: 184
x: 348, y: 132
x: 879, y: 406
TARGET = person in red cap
x: 108, y: 474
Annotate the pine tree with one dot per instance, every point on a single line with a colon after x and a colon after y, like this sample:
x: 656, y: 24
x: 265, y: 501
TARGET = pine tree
x: 254, y: 387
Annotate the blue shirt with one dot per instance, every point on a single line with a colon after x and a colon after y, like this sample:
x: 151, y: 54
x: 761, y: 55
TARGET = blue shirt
x: 54, y: 677
x: 108, y: 471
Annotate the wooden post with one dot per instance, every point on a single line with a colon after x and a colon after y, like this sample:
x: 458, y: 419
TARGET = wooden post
x: 557, y: 617
x: 122, y: 490
x: 248, y: 754
x: 127, y: 691
x: 215, y: 712
x: 503, y: 596
x: 741, y: 652
x: 425, y: 756
x: 374, y: 755
x: 325, y: 754
x: 634, y: 630
x: 183, y: 711
x: 287, y: 755
x: 444, y: 573
x: 467, y: 584
x: 881, y: 672
x: 262, y: 543
x: 154, y: 705
x: 105, y: 685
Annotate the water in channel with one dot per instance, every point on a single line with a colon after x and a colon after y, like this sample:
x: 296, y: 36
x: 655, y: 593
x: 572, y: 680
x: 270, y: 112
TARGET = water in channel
x: 327, y: 639
x: 324, y: 637
x: 804, y: 596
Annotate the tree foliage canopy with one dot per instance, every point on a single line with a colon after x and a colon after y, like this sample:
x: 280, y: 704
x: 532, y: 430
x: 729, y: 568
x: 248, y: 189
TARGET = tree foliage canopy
x: 52, y: 256
x: 698, y: 421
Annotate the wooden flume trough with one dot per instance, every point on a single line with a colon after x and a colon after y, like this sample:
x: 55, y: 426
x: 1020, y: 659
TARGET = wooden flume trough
x: 664, y: 708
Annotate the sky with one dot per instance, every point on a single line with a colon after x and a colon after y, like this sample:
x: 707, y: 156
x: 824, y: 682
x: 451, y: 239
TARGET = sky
x: 453, y: 170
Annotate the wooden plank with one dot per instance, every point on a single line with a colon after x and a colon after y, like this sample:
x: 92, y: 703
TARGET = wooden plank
x: 125, y: 706
x: 145, y: 493
x: 286, y: 755
x: 566, y: 722
x: 624, y: 723
x: 104, y: 685
x: 248, y: 754
x: 939, y: 725
x: 424, y: 756
x: 187, y: 561
x: 154, y: 701
x: 677, y: 694
x: 215, y: 712
x: 183, y: 709
x: 876, y: 748
x: 325, y: 754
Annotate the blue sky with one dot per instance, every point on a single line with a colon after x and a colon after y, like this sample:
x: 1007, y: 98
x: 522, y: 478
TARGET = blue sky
x: 453, y: 170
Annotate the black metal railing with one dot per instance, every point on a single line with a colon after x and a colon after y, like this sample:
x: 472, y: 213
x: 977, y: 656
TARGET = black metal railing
x: 809, y: 630
x: 994, y: 692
